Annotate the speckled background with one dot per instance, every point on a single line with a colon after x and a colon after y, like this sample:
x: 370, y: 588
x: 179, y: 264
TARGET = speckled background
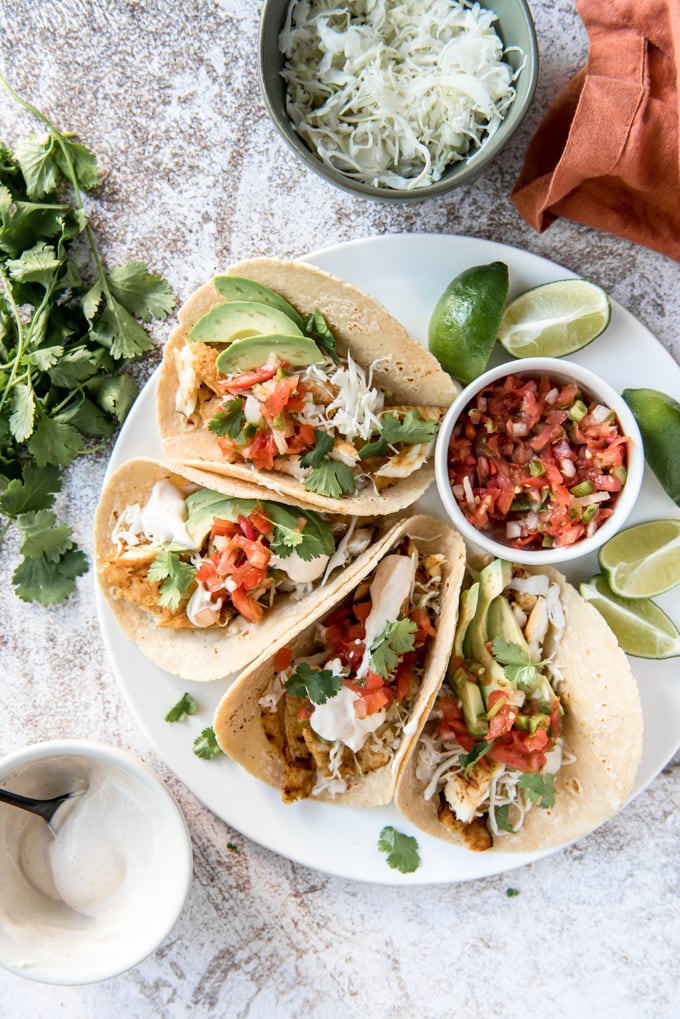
x: 166, y: 94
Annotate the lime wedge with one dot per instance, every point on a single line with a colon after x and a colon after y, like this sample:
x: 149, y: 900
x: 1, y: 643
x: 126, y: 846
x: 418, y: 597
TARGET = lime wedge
x: 554, y: 319
x: 643, y: 561
x: 463, y: 326
x: 639, y: 625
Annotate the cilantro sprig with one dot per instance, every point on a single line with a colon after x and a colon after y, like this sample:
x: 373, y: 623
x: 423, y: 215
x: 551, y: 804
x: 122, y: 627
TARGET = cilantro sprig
x: 409, y: 430
x: 401, y: 850
x: 181, y: 710
x: 317, y: 684
x: 206, y: 746
x: 539, y: 788
x: 328, y: 477
x: 300, y: 531
x: 397, y: 639
x: 67, y: 331
x: 516, y: 663
x: 176, y: 578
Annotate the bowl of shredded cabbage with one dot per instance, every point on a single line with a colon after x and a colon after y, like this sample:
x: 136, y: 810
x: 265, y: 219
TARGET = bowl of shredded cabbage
x: 397, y: 99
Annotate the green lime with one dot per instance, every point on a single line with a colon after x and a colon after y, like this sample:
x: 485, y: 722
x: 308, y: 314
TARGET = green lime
x: 639, y: 625
x: 658, y: 418
x: 554, y: 319
x: 464, y: 323
x: 643, y: 561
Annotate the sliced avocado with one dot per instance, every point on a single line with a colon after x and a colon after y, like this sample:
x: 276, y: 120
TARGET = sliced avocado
x: 237, y: 288
x: 238, y: 319
x: 253, y: 351
x: 502, y: 622
x: 474, y: 711
x: 493, y: 579
x: 468, y: 607
x: 530, y: 723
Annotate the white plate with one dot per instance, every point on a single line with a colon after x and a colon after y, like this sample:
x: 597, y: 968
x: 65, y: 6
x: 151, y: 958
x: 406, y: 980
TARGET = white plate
x: 407, y: 272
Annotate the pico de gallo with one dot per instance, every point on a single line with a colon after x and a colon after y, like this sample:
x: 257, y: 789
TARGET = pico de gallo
x: 198, y: 559
x: 339, y: 711
x: 537, y: 460
x: 493, y: 742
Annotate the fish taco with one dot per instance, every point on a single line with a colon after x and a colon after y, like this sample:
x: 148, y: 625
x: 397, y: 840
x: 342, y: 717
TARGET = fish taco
x: 535, y: 735
x: 204, y: 580
x: 332, y: 714
x: 286, y: 376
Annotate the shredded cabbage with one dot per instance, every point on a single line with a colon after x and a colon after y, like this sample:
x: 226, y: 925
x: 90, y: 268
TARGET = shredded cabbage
x: 392, y: 92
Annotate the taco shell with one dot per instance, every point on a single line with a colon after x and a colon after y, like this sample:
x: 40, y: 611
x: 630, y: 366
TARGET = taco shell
x: 362, y: 326
x: 238, y: 726
x: 602, y: 729
x: 192, y: 653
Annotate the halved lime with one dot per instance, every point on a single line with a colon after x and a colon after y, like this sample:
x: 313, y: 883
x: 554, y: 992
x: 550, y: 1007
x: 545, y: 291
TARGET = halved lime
x: 639, y: 625
x: 643, y: 561
x: 464, y: 323
x: 554, y: 319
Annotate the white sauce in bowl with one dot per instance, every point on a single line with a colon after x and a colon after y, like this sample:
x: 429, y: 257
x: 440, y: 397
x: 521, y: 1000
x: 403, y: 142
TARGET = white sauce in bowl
x: 101, y: 893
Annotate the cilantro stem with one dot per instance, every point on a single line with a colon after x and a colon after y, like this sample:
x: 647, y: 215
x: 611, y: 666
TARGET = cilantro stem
x: 11, y: 382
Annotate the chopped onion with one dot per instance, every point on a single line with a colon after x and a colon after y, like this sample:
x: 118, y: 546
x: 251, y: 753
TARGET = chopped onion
x: 586, y: 500
x: 519, y: 428
x: 551, y: 395
x: 513, y: 529
x: 469, y: 494
x: 599, y: 414
x: 568, y: 468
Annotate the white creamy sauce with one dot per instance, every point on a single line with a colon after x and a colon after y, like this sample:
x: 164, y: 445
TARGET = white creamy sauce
x: 300, y: 571
x: 390, y: 587
x: 201, y: 610
x: 336, y: 720
x: 91, y: 885
x: 164, y: 515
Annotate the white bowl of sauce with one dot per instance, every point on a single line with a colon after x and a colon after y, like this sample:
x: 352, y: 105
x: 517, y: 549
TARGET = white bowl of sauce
x: 95, y: 898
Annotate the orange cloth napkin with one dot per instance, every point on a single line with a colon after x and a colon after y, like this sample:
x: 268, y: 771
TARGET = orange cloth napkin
x: 607, y: 153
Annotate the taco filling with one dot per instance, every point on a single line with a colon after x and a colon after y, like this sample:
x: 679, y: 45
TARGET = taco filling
x: 493, y: 743
x: 196, y: 558
x: 341, y: 710
x: 272, y: 388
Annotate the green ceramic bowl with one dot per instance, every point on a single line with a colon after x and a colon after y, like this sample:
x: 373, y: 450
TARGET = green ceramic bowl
x: 515, y: 27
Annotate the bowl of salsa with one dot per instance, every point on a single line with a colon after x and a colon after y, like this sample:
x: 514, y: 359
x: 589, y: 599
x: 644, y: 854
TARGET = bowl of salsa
x: 539, y: 460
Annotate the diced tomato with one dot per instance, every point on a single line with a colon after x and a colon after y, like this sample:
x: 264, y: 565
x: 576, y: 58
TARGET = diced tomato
x: 277, y: 401
x: 405, y: 680
x: 513, y: 749
x: 261, y: 523
x: 246, y: 606
x: 303, y: 438
x: 361, y: 610
x: 283, y: 658
x: 555, y: 719
x: 261, y: 450
x: 248, y: 379
x: 372, y: 701
x: 425, y: 628
x: 223, y: 528
x: 256, y: 553
x: 504, y: 718
x: 452, y: 727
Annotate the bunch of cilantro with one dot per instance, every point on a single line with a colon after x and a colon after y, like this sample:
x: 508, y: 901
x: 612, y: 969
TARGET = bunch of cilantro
x: 68, y: 328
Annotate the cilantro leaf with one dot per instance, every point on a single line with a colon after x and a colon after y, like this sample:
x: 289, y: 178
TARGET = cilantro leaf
x: 40, y: 264
x: 49, y: 582
x: 412, y: 429
x: 540, y: 789
x: 315, y: 325
x: 397, y: 638
x: 55, y: 442
x: 478, y: 751
x: 376, y: 448
x: 301, y: 530
x: 402, y: 850
x: 315, y: 457
x: 229, y: 420
x: 184, y: 707
x: 35, y: 155
x: 206, y: 746
x: 176, y: 576
x: 511, y: 892
x: 142, y: 293
x: 115, y: 395
x: 516, y: 663
x: 40, y: 536
x: 73, y: 367
x: 332, y: 479
x: 501, y: 815
x: 317, y: 684
x: 83, y: 161
x: 23, y: 412
x: 35, y: 491
x: 117, y: 330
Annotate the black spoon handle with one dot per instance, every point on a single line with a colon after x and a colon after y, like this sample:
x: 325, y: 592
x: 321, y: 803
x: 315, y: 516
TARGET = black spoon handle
x: 44, y: 808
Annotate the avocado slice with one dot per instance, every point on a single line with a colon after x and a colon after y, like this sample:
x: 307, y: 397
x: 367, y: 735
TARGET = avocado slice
x: 466, y: 613
x: 253, y: 351
x: 492, y: 581
x: 470, y: 695
x: 235, y: 320
x: 502, y: 622
x: 237, y: 288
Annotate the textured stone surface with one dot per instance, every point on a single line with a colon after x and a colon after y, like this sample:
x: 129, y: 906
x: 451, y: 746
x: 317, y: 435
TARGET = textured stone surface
x: 166, y: 94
